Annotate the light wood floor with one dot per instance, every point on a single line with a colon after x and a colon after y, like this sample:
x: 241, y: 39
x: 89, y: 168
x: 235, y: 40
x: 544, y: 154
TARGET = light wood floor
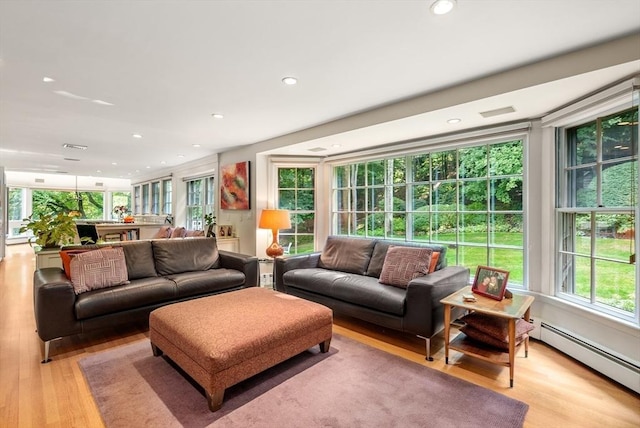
x: 560, y: 391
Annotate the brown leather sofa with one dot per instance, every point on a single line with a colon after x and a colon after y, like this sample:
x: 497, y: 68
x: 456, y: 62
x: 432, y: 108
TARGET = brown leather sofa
x: 345, y: 277
x: 160, y: 272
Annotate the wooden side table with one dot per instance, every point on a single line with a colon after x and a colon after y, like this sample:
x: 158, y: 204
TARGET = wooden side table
x: 512, y: 309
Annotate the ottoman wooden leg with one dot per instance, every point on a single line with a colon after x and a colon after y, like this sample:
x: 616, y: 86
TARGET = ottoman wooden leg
x: 214, y: 399
x: 324, y: 346
x: 156, y: 351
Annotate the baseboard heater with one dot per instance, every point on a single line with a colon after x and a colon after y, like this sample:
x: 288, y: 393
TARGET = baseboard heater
x: 622, y: 371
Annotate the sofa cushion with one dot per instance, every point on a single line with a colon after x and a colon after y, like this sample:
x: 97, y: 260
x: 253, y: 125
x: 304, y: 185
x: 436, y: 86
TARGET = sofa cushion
x: 185, y: 255
x: 353, y: 288
x: 346, y: 254
x: 178, y: 232
x: 139, y: 258
x: 100, y: 268
x: 137, y: 294
x: 205, y: 282
x: 435, y: 256
x: 402, y: 264
x: 380, y: 252
x: 67, y: 255
x: 164, y: 232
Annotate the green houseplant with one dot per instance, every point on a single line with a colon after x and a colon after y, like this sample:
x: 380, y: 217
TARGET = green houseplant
x: 50, y: 230
x: 210, y: 221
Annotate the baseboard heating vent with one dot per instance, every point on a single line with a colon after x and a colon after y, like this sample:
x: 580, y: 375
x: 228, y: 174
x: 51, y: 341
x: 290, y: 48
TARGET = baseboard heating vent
x: 622, y: 371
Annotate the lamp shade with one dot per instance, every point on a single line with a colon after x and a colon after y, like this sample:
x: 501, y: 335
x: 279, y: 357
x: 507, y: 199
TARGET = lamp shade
x: 274, y: 219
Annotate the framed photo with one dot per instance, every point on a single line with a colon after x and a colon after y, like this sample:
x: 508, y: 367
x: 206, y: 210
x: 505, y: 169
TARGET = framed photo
x: 225, y: 231
x: 234, y: 186
x: 490, y: 282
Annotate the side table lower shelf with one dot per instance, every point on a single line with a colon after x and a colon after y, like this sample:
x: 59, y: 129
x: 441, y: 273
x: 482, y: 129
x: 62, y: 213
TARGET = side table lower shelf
x: 467, y: 346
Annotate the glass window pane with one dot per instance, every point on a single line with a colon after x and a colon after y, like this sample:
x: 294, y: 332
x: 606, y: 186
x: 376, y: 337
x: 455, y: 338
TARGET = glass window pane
x: 399, y: 198
x: 304, y: 223
x: 616, y: 284
x: 341, y: 174
x: 420, y: 226
x: 420, y: 196
x: 510, y: 260
x: 15, y: 204
x: 620, y: 184
x: 443, y: 166
x: 444, y: 196
x: 376, y: 199
x: 375, y: 224
x: 360, y: 199
x: 399, y: 171
x: 287, y: 199
x: 342, y: 199
x: 420, y: 165
x: 358, y: 172
x: 360, y: 225
x: 398, y: 225
x: 582, y: 147
x: 375, y: 173
x: 286, y: 178
x: 507, y: 229
x: 582, y: 187
x: 582, y: 280
x: 620, y: 135
x: 506, y: 194
x: 444, y: 227
x: 473, y: 162
x: 614, y: 236
x: 305, y: 200
x: 506, y: 158
x: 306, y: 178
x: 473, y: 228
x: 473, y: 195
x: 342, y: 221
x: 471, y: 257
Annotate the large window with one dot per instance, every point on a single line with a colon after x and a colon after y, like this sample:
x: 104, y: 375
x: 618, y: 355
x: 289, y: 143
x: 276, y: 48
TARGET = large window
x: 16, y: 211
x: 200, y: 201
x: 155, y: 197
x: 296, y: 193
x: 167, y: 196
x: 469, y: 199
x: 596, y: 216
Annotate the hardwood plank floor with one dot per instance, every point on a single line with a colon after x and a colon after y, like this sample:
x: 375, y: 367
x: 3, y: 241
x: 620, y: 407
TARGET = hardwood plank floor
x: 560, y: 391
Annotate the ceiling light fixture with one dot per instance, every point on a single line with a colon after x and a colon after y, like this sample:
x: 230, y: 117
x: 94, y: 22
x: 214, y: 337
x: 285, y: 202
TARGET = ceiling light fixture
x: 289, y: 80
x: 74, y: 146
x: 217, y: 116
x: 46, y: 79
x: 196, y: 145
x: 454, y: 121
x: 138, y: 136
x: 442, y: 7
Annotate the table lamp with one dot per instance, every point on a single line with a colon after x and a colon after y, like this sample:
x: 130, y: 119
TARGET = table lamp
x: 274, y: 220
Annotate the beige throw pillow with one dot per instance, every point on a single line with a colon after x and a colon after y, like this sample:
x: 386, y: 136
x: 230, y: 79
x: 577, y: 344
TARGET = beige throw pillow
x: 96, y: 269
x: 402, y: 264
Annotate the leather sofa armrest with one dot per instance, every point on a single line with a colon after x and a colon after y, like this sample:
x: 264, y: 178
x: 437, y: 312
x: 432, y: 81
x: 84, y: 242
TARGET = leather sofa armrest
x: 54, y: 304
x: 424, y: 312
x: 285, y: 264
x: 242, y: 262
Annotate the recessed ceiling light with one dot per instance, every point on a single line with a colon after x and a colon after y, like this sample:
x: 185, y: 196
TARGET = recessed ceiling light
x: 163, y: 162
x: 442, y: 7
x: 114, y: 163
x: 335, y: 146
x: 289, y: 80
x: 137, y: 136
x: 47, y: 79
x: 454, y: 121
x: 148, y: 167
x: 98, y: 171
x: 196, y: 145
x: 180, y: 156
x: 74, y: 146
x: 102, y: 103
x: 217, y: 116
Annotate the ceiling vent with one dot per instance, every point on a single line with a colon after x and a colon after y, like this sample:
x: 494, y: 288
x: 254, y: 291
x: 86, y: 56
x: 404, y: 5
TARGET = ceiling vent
x: 39, y: 180
x: 99, y: 184
x: 497, y: 112
x: 74, y: 146
x: 72, y: 159
x: 317, y: 149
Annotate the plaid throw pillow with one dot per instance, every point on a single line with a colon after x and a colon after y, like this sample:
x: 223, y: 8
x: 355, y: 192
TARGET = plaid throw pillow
x: 96, y: 269
x: 402, y: 264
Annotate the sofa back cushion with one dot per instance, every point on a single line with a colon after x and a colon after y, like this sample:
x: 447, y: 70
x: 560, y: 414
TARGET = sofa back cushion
x: 380, y: 252
x: 139, y: 258
x: 346, y: 254
x: 185, y: 255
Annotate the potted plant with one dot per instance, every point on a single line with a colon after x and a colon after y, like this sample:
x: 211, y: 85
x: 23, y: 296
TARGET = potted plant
x: 210, y: 221
x: 51, y: 230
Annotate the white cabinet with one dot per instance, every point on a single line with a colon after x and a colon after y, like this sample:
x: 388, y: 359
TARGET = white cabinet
x: 48, y: 258
x: 229, y: 244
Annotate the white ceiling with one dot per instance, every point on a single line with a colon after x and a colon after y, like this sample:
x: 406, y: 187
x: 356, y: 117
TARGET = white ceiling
x: 166, y: 66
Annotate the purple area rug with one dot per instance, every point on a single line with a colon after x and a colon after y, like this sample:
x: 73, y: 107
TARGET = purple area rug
x: 353, y: 385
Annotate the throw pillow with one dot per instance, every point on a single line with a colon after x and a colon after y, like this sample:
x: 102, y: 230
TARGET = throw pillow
x: 402, y: 264
x: 164, y: 232
x: 434, y: 261
x: 96, y: 269
x: 192, y: 233
x: 178, y: 232
x: 67, y: 255
x: 484, y: 338
x: 495, y: 327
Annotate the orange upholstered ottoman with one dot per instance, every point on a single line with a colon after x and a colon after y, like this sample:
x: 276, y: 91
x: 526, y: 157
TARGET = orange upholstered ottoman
x: 221, y: 340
